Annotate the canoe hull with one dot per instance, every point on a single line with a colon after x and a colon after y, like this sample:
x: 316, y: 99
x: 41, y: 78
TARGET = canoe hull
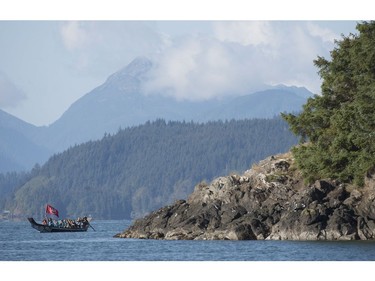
x: 46, y: 228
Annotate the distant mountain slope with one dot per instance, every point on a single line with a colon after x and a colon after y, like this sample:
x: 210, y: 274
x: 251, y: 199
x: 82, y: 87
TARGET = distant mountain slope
x: 142, y: 168
x: 18, y: 151
x: 119, y: 102
x: 263, y: 104
x: 299, y: 91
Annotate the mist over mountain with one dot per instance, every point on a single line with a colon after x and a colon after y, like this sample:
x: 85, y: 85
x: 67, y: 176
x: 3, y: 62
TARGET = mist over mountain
x: 121, y: 102
x: 117, y: 103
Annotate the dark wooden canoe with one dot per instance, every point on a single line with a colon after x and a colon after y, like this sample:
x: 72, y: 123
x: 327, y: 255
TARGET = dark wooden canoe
x: 46, y: 228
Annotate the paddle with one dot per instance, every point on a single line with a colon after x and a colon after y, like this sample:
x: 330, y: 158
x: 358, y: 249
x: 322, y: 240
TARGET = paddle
x: 85, y: 220
x: 91, y: 226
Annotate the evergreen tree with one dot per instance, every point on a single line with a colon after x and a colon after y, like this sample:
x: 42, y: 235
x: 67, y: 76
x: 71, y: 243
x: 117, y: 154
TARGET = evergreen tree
x: 338, y: 126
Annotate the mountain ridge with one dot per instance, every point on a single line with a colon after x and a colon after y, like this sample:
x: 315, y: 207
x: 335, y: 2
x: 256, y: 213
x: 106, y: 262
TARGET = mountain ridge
x: 18, y: 148
x: 120, y: 103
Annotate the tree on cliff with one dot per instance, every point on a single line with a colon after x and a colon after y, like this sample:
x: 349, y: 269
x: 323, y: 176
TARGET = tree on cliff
x: 338, y: 126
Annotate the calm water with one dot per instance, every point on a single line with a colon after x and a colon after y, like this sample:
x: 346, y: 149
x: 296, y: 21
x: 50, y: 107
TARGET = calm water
x: 20, y: 242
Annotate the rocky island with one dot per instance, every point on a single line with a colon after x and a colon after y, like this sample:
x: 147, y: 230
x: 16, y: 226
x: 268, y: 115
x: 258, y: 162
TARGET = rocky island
x: 268, y: 201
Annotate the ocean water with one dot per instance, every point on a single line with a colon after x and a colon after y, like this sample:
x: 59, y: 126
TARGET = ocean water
x: 20, y: 242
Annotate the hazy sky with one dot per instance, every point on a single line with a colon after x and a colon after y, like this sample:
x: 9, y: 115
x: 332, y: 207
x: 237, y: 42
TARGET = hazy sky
x: 47, y: 65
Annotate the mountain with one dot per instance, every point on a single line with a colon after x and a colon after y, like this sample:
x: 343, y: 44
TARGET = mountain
x: 18, y: 150
x: 299, y: 91
x: 119, y: 102
x: 262, y: 104
x: 143, y: 167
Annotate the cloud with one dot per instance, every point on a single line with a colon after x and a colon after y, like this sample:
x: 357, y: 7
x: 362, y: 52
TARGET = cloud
x: 102, y: 47
x: 244, y: 32
x: 198, y: 68
x: 240, y: 58
x: 73, y: 35
x: 324, y: 33
x: 10, y: 95
x: 234, y: 58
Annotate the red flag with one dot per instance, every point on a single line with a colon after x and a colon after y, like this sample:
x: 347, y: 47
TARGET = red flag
x: 52, y: 210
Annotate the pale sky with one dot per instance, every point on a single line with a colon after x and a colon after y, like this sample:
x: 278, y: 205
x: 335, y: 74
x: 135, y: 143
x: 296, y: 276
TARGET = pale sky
x: 46, y: 65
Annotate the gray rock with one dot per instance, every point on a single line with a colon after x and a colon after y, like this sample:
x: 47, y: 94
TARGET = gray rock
x: 268, y: 201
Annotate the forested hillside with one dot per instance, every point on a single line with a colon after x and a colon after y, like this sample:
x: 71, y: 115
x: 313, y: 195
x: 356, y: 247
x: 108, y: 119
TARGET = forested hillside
x: 142, y: 168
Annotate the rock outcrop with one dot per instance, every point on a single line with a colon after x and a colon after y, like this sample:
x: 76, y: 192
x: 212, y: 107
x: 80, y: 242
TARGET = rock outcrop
x: 269, y: 201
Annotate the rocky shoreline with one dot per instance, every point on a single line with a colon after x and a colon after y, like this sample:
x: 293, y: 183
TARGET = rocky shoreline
x: 269, y: 201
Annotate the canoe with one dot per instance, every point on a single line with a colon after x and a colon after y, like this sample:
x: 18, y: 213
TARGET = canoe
x: 47, y: 228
